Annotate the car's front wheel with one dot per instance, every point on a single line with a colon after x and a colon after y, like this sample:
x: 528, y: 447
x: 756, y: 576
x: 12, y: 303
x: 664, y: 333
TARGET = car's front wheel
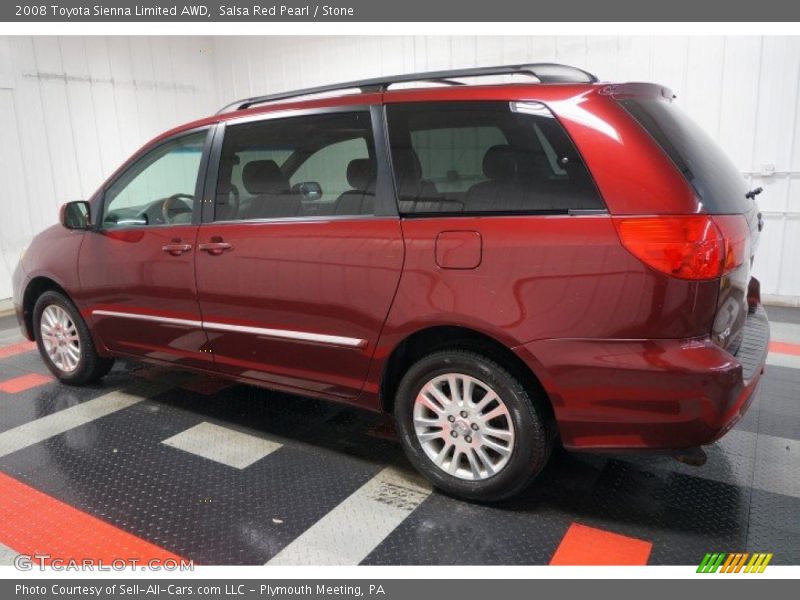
x: 64, y: 341
x: 470, y: 426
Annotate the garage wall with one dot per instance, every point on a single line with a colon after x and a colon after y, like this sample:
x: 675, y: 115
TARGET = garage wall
x: 743, y: 90
x: 73, y: 108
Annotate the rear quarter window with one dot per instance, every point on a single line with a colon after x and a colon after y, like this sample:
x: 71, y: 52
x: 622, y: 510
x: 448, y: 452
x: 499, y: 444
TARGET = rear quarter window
x: 717, y: 182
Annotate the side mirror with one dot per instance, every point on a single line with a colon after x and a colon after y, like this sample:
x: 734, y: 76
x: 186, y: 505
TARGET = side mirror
x: 310, y: 190
x: 76, y: 215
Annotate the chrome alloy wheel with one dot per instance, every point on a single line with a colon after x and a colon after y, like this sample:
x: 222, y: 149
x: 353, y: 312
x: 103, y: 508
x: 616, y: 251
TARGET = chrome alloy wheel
x: 463, y: 426
x: 60, y: 338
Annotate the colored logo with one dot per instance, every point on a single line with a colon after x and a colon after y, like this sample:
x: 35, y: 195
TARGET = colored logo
x: 735, y: 562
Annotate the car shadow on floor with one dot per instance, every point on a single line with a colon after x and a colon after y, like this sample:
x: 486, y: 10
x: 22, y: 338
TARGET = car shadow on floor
x: 647, y: 498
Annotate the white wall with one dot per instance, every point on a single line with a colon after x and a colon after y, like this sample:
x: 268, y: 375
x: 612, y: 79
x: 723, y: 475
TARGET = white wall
x: 72, y: 108
x: 743, y: 90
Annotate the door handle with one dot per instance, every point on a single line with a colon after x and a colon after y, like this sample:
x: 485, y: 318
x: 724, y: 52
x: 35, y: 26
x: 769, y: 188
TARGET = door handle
x: 214, y: 248
x: 176, y: 249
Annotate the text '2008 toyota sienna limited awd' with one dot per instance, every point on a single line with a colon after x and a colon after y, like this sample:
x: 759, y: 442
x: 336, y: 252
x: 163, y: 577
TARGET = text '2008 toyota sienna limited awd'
x: 498, y: 266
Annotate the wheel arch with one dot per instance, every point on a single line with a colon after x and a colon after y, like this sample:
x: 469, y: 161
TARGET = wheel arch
x: 33, y: 290
x: 441, y: 337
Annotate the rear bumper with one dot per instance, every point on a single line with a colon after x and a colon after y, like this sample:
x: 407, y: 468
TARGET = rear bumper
x: 648, y: 394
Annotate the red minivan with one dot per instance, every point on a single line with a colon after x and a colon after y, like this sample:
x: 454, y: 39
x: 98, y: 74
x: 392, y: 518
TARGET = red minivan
x: 498, y: 266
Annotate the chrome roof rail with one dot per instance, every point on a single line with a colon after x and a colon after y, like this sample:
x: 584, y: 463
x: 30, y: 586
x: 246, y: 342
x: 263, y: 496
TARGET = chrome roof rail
x: 544, y: 72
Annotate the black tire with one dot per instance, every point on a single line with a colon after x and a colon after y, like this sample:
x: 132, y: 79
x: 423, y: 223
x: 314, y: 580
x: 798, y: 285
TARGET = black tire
x: 533, y: 433
x: 90, y: 365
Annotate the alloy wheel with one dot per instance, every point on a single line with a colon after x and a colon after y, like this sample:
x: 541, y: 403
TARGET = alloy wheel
x: 463, y: 426
x: 60, y: 338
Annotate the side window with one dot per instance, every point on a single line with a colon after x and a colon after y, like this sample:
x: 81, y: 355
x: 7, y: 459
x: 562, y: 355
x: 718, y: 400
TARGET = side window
x: 276, y: 155
x: 485, y: 157
x: 159, y: 188
x: 329, y: 167
x: 451, y: 157
x: 297, y: 166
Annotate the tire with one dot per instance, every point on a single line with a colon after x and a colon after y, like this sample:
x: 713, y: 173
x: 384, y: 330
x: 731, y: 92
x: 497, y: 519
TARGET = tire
x: 74, y: 360
x: 520, y: 414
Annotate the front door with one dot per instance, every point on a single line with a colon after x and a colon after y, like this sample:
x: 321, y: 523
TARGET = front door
x: 297, y: 268
x: 137, y: 268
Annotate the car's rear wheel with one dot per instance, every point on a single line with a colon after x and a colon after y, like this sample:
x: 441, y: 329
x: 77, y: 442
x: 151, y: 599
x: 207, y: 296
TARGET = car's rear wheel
x: 64, y: 341
x: 470, y: 426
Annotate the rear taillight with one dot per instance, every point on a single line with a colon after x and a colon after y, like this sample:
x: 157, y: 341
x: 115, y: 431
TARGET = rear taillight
x: 688, y: 247
x: 736, y: 233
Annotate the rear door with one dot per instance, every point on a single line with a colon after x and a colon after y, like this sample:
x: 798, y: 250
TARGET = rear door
x: 300, y: 255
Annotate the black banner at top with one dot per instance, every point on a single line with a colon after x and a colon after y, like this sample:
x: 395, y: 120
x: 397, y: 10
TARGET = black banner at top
x: 395, y: 11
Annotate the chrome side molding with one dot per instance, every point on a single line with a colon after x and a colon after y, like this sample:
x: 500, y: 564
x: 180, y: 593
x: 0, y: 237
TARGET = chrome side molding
x: 302, y: 336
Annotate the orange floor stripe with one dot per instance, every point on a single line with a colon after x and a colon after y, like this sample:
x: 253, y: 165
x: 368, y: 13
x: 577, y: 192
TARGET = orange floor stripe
x: 584, y: 545
x: 784, y: 348
x: 32, y: 522
x: 23, y: 382
x: 17, y: 348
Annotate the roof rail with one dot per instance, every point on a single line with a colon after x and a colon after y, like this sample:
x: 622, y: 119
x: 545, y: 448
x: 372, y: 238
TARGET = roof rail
x: 544, y: 72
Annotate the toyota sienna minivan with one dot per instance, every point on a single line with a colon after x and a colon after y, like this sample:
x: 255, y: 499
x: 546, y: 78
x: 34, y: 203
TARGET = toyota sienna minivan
x: 499, y: 266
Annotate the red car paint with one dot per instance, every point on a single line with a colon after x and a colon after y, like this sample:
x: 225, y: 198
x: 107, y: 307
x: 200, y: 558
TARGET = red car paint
x: 624, y: 352
x: 341, y: 284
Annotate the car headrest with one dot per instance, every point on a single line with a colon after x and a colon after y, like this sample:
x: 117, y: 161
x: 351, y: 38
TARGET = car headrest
x: 500, y: 163
x: 360, y: 173
x: 264, y: 177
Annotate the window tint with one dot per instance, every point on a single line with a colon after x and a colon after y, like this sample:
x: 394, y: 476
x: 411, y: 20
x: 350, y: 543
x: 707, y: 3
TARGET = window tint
x: 485, y: 157
x: 159, y: 188
x: 451, y: 157
x: 714, y: 177
x: 311, y: 165
x: 328, y: 167
x: 277, y: 155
